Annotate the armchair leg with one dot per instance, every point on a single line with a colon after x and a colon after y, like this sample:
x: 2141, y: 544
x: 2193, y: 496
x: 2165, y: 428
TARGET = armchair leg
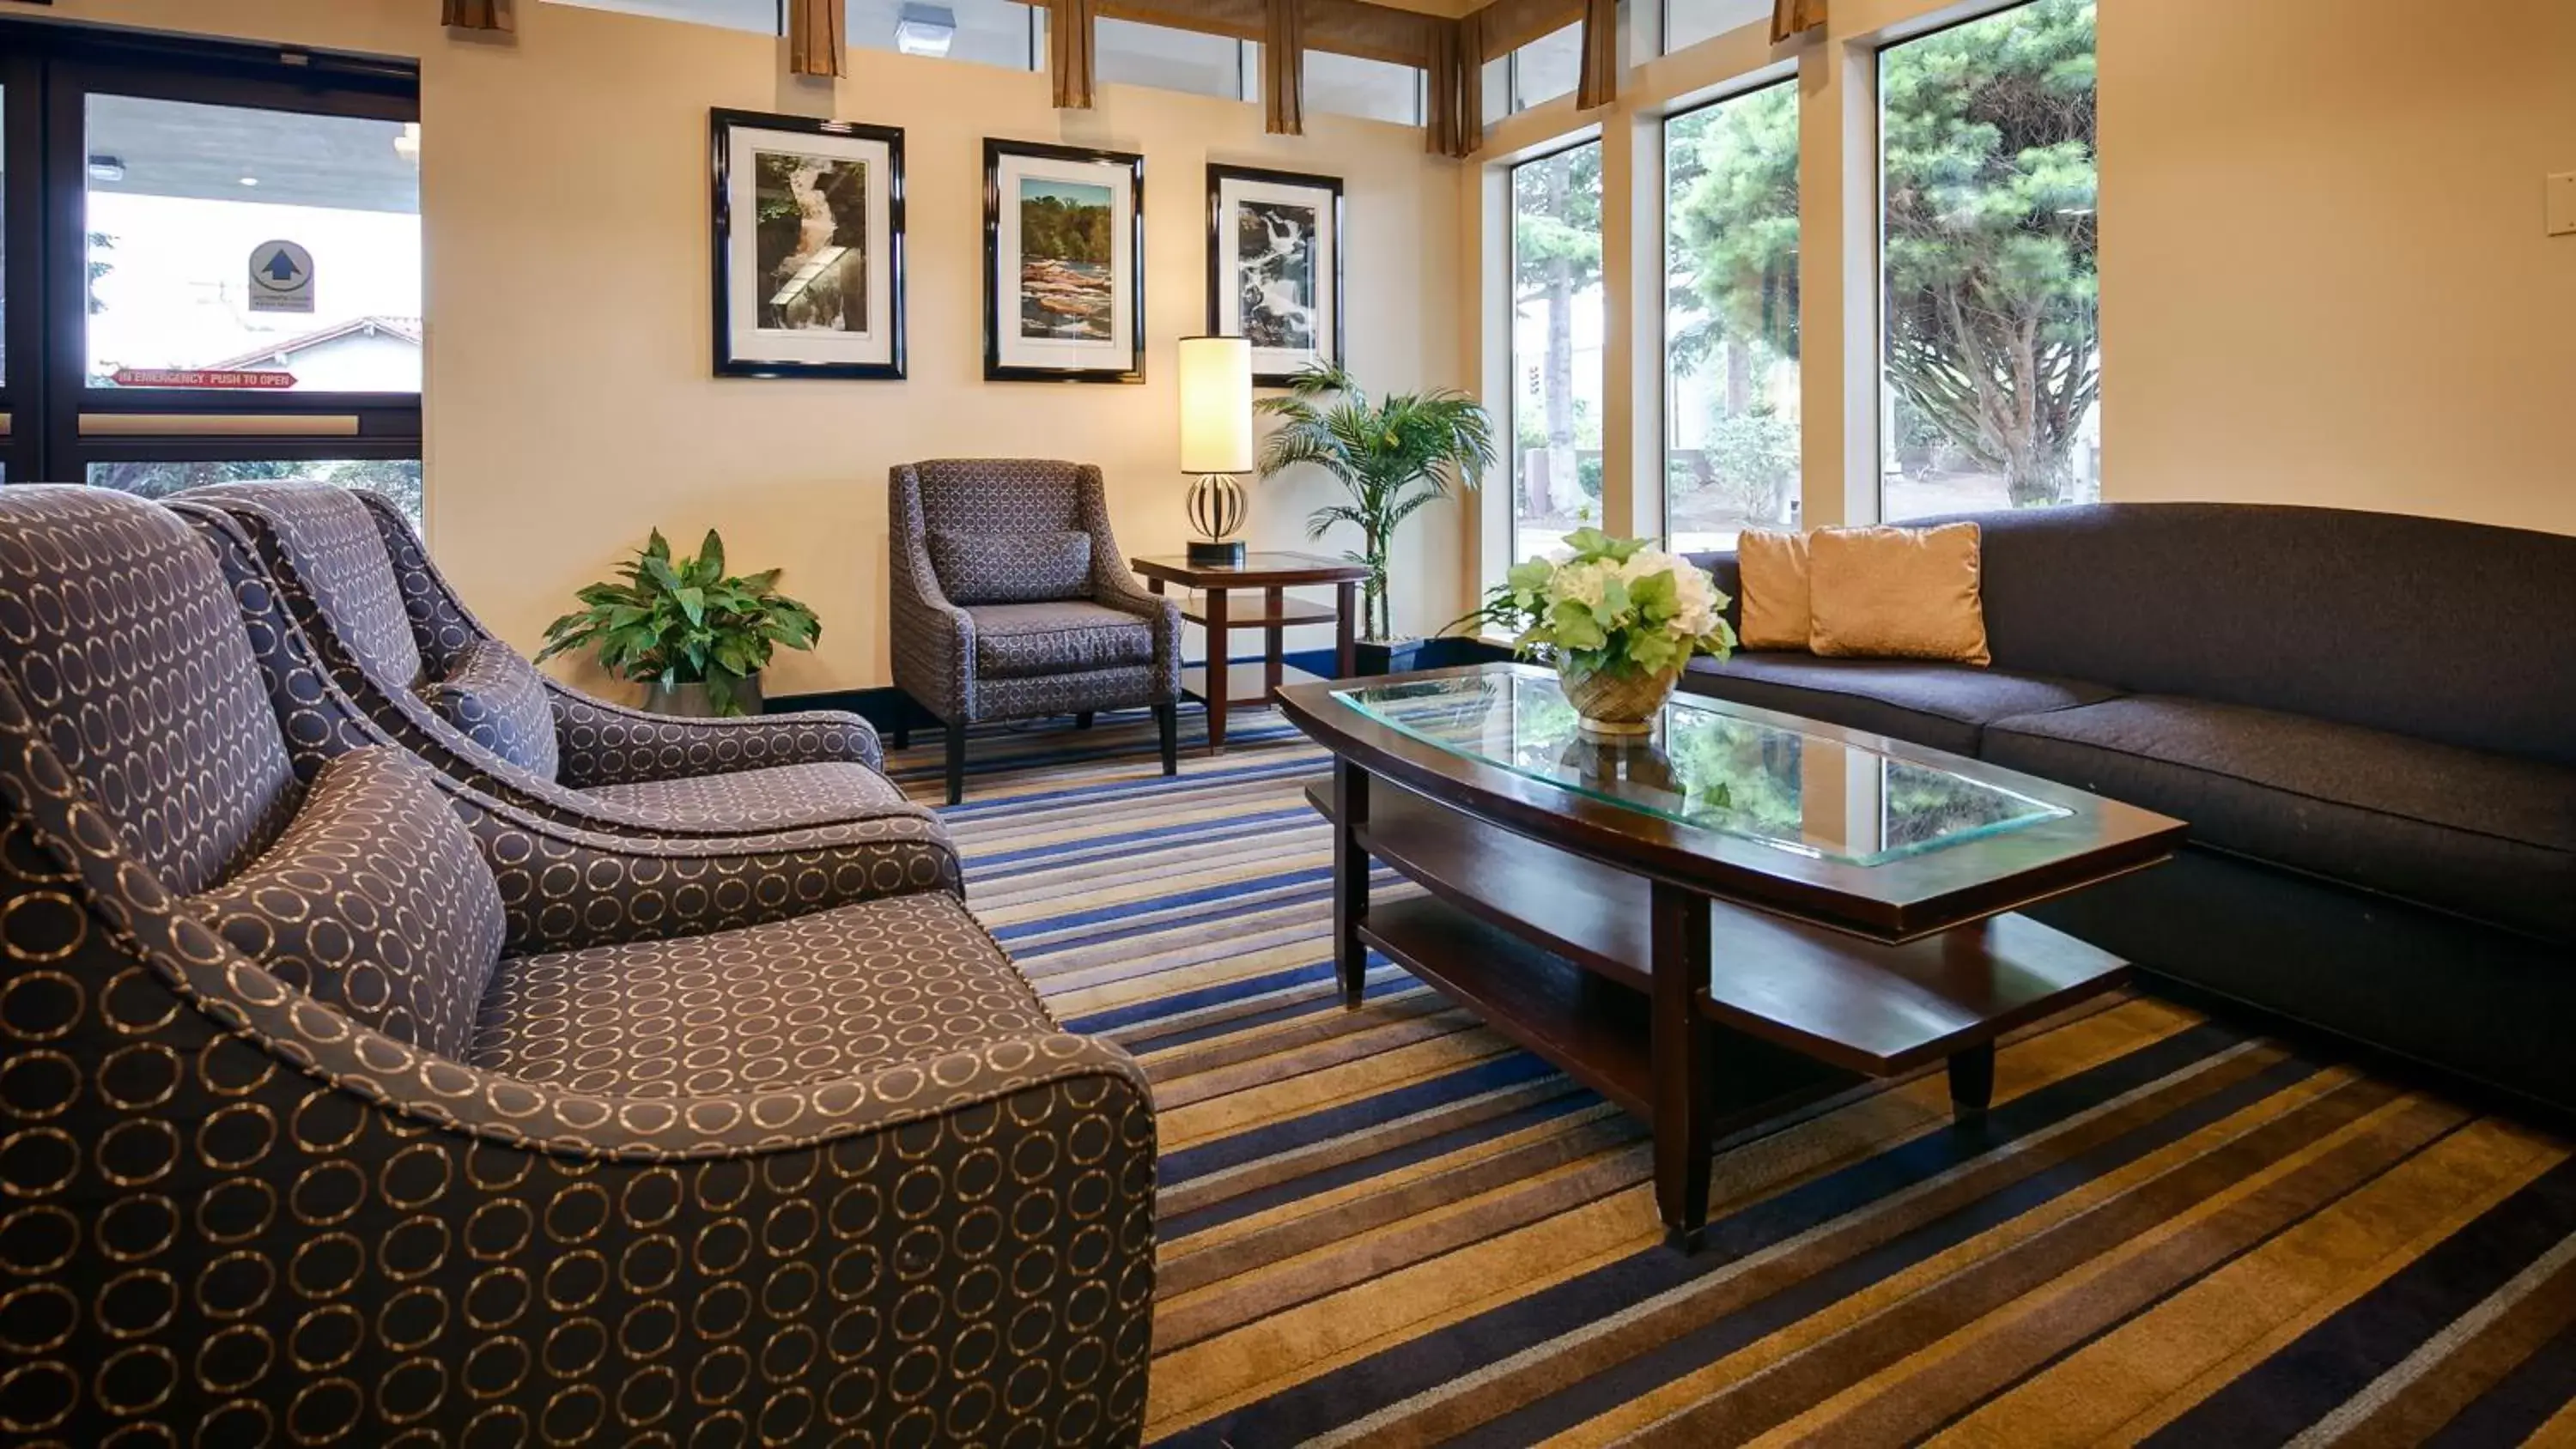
x: 956, y: 764
x: 1082, y: 720
x: 1167, y: 719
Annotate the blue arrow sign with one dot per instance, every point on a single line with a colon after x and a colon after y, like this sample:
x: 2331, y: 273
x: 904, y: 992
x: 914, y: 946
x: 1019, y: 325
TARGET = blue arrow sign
x: 281, y: 268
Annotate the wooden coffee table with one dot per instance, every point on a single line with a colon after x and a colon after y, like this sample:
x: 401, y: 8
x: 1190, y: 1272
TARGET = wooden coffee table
x: 1745, y: 910
x: 1274, y: 574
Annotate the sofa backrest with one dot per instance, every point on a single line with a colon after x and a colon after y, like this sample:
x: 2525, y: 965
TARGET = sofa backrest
x: 125, y: 645
x: 2457, y: 632
x: 319, y: 536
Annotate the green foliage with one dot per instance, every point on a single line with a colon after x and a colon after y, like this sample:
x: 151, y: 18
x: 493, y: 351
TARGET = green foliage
x: 1993, y: 319
x: 1617, y: 604
x: 1394, y: 456
x: 1066, y: 231
x: 684, y: 621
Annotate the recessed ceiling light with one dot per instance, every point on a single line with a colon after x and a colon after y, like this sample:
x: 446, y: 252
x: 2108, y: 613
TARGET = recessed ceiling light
x: 250, y: 181
x: 106, y: 168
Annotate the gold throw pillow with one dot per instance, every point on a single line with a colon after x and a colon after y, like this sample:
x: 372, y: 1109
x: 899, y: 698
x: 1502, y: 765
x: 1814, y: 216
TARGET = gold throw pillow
x: 1897, y: 593
x: 1772, y: 577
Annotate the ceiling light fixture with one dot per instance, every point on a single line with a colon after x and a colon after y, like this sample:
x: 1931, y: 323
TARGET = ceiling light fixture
x: 921, y: 29
x: 250, y: 181
x: 106, y: 168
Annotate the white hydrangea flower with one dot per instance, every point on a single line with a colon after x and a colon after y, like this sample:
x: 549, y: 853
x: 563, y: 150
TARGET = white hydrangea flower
x: 1583, y: 583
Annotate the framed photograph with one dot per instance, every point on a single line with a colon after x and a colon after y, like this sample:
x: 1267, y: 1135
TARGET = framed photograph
x: 1064, y: 264
x: 1275, y: 267
x: 808, y: 247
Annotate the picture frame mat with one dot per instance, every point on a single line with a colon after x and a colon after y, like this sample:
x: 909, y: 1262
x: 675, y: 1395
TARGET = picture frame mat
x: 750, y: 341
x: 1010, y: 168
x: 1325, y: 200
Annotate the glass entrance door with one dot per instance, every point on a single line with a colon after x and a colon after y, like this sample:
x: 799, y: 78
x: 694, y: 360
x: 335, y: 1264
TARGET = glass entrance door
x: 213, y: 263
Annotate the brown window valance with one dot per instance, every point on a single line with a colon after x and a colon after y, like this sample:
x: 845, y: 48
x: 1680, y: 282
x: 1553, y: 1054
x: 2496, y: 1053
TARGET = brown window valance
x: 1791, y: 17
x: 477, y: 15
x: 815, y: 31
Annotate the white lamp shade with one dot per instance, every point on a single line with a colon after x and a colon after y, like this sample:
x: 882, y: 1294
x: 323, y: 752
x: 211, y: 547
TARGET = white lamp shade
x: 1216, y: 405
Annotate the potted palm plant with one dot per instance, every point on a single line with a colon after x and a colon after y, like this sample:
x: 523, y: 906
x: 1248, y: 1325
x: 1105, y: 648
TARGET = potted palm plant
x: 695, y: 637
x: 1393, y: 455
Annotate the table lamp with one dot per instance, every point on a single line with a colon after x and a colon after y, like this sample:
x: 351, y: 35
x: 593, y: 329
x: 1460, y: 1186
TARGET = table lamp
x: 1216, y: 441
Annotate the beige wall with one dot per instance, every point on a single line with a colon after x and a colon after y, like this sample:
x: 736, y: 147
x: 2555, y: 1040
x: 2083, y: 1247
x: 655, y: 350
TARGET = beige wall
x: 569, y: 402
x: 2324, y: 274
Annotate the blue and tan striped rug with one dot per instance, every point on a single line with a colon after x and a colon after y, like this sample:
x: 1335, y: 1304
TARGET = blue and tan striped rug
x: 1390, y: 1227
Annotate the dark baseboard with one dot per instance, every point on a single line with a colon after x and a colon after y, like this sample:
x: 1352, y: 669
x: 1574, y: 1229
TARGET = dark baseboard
x: 886, y: 706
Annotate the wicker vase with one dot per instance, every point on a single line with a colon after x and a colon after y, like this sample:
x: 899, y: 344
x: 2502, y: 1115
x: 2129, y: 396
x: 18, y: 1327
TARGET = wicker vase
x: 1618, y: 703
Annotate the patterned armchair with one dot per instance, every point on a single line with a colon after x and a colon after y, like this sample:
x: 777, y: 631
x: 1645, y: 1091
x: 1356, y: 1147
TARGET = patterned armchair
x: 352, y: 575
x: 1011, y: 601
x: 371, y: 1109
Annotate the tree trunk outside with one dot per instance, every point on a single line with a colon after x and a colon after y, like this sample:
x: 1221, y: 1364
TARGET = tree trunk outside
x: 1739, y: 377
x: 1557, y: 390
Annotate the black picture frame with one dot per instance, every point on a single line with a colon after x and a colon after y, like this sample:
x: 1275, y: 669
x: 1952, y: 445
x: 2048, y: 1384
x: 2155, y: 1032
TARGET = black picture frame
x: 730, y: 359
x: 1221, y: 282
x: 1130, y: 171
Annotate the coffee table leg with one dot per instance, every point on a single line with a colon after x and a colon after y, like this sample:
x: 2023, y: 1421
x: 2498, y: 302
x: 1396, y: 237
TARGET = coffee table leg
x: 1350, y: 878
x: 1684, y: 1062
x: 1972, y: 1084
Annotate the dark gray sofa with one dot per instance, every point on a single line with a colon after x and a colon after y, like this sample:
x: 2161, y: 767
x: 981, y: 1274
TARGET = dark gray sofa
x: 2368, y: 719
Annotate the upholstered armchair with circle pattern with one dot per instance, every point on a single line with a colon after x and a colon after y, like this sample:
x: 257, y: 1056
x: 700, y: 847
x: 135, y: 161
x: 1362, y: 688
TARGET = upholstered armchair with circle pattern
x: 1012, y: 601
x: 353, y: 575
x: 351, y: 1105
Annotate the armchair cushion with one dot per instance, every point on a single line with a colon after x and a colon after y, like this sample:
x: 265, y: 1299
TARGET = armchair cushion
x: 376, y: 901
x: 1011, y: 568
x: 819, y: 998
x: 499, y: 701
x: 782, y: 797
x: 1018, y: 641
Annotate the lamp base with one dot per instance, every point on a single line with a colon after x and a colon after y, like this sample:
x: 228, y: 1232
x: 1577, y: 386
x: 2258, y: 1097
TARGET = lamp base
x: 1226, y: 555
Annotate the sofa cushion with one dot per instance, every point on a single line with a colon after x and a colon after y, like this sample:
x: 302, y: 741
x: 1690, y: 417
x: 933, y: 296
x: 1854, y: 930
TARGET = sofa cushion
x: 498, y: 700
x: 2483, y: 835
x: 818, y: 998
x: 777, y: 797
x: 1018, y: 641
x: 1928, y: 703
x: 375, y: 900
x: 1011, y: 567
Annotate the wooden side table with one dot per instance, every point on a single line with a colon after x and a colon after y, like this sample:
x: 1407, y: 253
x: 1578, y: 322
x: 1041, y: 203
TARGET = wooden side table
x: 1274, y: 574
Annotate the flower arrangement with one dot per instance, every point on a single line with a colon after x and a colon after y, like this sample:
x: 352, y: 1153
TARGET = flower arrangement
x: 1619, y: 617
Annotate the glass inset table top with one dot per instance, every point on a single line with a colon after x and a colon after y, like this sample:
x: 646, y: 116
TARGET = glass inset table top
x: 1708, y: 767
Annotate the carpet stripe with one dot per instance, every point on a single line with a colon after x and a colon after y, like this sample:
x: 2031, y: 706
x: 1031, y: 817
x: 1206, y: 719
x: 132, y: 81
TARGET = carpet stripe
x: 1390, y: 1227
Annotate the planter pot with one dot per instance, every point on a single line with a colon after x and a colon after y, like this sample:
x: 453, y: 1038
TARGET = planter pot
x: 1617, y: 703
x: 1393, y: 657
x: 693, y: 701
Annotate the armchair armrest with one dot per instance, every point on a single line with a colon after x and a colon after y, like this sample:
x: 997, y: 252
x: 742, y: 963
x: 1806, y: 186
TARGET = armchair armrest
x: 610, y: 744
x: 1112, y: 586
x: 933, y: 640
x: 563, y: 888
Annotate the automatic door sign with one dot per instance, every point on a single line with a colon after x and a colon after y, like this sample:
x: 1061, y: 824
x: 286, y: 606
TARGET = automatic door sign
x: 281, y: 278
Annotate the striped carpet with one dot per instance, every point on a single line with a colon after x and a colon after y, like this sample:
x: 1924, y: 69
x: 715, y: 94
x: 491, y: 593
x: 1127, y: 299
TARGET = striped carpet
x: 1390, y: 1227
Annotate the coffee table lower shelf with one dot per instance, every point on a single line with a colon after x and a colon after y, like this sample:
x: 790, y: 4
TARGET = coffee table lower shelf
x: 1560, y: 953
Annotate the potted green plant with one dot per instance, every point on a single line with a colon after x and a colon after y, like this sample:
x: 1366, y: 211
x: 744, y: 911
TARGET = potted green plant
x: 695, y: 637
x: 1394, y: 456
x: 1620, y: 618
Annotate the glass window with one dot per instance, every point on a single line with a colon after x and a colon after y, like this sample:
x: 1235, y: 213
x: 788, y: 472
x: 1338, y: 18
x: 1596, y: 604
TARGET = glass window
x: 986, y: 32
x: 1129, y: 52
x: 1688, y: 22
x: 397, y: 479
x: 1556, y: 347
x: 1731, y: 318
x: 1348, y: 85
x: 1547, y: 67
x: 1993, y: 330
x: 246, y: 249
x: 760, y: 16
x: 1496, y: 89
